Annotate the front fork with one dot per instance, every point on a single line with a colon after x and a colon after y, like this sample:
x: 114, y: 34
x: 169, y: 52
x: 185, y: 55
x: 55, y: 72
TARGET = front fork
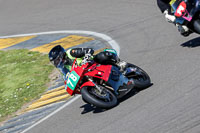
x: 98, y: 88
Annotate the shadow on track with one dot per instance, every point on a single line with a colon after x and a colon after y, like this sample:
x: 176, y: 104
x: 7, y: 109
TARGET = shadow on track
x: 132, y: 93
x: 89, y: 108
x: 192, y: 43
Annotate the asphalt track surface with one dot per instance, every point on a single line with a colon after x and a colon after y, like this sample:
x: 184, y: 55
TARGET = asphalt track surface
x: 171, y: 105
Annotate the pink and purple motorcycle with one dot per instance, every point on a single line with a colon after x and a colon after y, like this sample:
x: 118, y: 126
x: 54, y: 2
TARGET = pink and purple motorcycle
x: 187, y: 13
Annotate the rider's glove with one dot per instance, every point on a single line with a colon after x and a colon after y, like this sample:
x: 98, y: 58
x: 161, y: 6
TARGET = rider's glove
x: 86, y: 58
x: 168, y: 17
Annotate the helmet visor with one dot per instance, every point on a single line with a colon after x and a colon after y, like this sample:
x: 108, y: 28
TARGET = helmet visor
x: 56, y: 61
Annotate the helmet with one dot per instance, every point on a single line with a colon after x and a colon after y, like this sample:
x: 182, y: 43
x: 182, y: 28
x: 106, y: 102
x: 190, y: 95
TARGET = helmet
x: 56, y: 55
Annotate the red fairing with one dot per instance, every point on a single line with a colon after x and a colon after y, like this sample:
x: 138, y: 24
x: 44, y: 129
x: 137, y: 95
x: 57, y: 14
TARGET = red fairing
x: 89, y: 83
x: 100, y: 71
x: 95, y: 70
x: 70, y: 91
x: 181, y: 9
x: 79, y: 71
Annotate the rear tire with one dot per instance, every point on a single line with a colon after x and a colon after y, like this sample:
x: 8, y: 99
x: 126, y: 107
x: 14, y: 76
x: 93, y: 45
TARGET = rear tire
x: 196, y: 25
x: 140, y: 77
x: 90, y: 95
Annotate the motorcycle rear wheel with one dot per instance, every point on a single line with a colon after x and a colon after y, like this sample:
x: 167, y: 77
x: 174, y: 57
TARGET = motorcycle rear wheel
x: 196, y: 25
x: 106, y: 100
x: 140, y: 77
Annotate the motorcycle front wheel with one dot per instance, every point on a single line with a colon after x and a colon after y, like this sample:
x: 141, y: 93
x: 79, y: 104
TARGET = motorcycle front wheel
x: 105, y: 100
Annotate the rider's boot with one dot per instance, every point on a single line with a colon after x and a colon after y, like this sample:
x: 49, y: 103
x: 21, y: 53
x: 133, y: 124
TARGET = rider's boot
x: 184, y: 30
x: 122, y: 65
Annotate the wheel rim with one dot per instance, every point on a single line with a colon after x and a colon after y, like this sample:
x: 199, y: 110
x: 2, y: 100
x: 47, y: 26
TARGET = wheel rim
x: 104, y: 95
x: 139, y: 74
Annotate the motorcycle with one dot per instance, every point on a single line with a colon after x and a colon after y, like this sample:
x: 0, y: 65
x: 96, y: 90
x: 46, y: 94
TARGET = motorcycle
x: 187, y: 13
x: 102, y: 85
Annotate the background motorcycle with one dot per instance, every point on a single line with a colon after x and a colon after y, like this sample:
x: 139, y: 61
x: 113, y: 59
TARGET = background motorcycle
x: 103, y: 85
x: 187, y: 13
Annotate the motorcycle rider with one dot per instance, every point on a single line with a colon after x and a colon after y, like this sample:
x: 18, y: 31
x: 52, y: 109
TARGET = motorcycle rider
x: 63, y: 60
x: 165, y: 8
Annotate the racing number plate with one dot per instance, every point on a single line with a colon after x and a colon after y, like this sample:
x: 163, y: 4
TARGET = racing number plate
x: 181, y: 9
x: 73, y: 80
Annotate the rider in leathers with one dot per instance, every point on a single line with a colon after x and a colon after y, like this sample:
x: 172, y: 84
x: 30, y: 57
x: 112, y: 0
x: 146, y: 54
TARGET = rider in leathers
x: 63, y: 60
x: 165, y: 8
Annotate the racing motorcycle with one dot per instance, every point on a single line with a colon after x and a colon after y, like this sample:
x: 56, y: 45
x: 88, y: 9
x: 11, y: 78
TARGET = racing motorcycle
x: 102, y: 85
x: 187, y: 13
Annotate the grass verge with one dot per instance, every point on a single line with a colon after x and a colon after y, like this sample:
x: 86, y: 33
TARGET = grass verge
x: 23, y: 77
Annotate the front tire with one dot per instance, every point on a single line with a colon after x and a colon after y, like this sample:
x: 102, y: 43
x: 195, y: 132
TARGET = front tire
x: 91, y: 95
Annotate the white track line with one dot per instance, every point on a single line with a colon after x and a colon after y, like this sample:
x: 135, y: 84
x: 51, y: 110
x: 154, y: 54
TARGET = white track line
x: 111, y: 42
x: 51, y: 114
